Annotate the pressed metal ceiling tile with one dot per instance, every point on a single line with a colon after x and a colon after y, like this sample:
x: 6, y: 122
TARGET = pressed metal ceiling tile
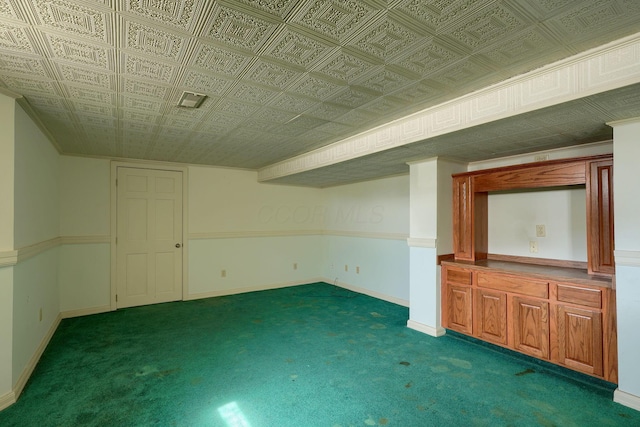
x: 335, y: 20
x: 315, y: 87
x: 8, y: 10
x: 296, y: 48
x: 80, y: 52
x: 221, y: 60
x: 104, y: 76
x: 353, y: 97
x: 16, y: 37
x: 14, y: 64
x: 386, y: 39
x: 75, y: 19
x: 175, y: 13
x: 146, y: 88
x: 150, y: 69
x: 441, y: 13
x: 154, y: 42
x: 31, y: 86
x: 346, y: 66
x: 206, y: 83
x: 486, y: 27
x: 428, y: 57
x: 385, y: 80
x: 239, y: 29
x: 273, y: 75
x: 103, y: 110
x: 279, y: 8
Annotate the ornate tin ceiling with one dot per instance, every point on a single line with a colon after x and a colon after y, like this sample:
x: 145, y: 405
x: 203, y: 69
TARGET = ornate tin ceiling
x: 285, y: 77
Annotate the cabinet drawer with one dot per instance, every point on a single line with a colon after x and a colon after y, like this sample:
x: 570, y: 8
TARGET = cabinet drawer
x: 515, y: 284
x: 583, y: 296
x: 459, y: 277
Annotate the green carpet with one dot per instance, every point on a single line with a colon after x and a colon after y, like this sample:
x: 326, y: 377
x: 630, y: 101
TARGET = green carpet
x: 313, y: 355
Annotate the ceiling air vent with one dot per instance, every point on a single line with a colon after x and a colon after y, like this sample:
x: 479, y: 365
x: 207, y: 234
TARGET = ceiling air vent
x: 191, y: 100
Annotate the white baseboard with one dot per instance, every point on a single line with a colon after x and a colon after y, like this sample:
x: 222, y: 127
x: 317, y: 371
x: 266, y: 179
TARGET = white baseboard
x: 234, y: 291
x: 426, y: 329
x: 626, y: 399
x: 28, y: 370
x: 369, y: 292
x: 85, y: 311
x: 7, y: 400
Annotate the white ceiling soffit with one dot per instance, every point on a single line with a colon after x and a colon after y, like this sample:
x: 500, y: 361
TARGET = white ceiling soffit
x: 284, y: 78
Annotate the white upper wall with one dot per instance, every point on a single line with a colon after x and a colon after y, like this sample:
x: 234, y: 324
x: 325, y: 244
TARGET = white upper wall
x: 232, y: 201
x: 7, y: 117
x: 445, y: 204
x: 36, y: 198
x: 378, y: 206
x: 625, y: 178
x: 513, y: 218
x: 84, y: 196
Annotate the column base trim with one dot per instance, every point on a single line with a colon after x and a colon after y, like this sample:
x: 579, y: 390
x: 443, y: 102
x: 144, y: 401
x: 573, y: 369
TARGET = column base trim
x: 7, y: 400
x: 627, y: 399
x: 426, y: 329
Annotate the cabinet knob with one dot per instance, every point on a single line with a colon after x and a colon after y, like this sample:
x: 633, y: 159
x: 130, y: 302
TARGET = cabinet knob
x: 178, y: 245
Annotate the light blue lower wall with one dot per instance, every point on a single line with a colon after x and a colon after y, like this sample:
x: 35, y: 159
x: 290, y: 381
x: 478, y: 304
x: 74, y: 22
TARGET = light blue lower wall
x: 35, y: 288
x: 425, y: 312
x: 84, y: 276
x: 263, y: 262
x: 628, y: 316
x: 251, y: 263
x: 383, y: 265
x: 6, y: 330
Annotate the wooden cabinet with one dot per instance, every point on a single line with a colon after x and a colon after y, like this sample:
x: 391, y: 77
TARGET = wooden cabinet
x: 580, y: 339
x: 462, y: 218
x: 491, y: 316
x: 470, y: 203
x: 563, y: 311
x: 469, y: 220
x: 531, y: 326
x: 600, y: 217
x: 458, y: 297
x: 528, y: 309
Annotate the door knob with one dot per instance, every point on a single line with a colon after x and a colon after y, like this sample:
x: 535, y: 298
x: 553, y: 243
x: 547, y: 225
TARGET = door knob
x: 178, y: 245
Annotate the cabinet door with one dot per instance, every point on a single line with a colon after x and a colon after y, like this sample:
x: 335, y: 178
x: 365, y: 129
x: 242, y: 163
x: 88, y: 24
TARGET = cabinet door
x: 490, y: 313
x: 580, y: 339
x: 600, y: 217
x: 531, y: 327
x: 470, y: 220
x: 458, y: 308
x: 462, y: 218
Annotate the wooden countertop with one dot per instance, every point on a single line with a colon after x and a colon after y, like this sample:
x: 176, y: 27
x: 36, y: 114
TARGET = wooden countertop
x: 548, y: 272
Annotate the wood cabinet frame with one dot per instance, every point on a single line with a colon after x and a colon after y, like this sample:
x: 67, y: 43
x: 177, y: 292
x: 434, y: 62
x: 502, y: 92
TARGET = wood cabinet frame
x: 470, y: 203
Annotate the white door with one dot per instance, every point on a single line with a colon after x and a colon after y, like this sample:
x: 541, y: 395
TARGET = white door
x: 148, y: 236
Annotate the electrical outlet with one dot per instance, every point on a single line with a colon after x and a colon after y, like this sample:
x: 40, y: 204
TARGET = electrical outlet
x: 541, y: 157
x: 295, y: 265
x: 223, y: 273
x: 358, y: 270
x: 41, y: 314
x: 533, y: 247
x: 346, y: 267
x: 541, y: 230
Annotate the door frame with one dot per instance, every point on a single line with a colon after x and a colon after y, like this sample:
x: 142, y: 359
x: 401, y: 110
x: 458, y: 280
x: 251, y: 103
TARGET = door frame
x: 114, y: 215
